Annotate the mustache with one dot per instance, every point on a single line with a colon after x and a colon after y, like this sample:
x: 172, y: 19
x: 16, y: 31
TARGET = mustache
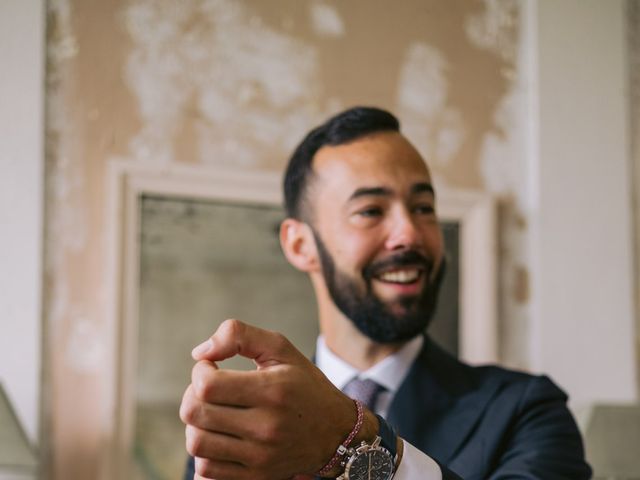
x: 403, y: 259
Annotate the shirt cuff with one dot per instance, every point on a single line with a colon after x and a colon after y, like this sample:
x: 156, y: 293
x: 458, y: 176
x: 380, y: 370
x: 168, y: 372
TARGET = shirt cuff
x: 415, y: 465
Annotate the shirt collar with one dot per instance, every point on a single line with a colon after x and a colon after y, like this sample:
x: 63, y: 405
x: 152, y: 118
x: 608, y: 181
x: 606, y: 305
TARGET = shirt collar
x: 389, y: 372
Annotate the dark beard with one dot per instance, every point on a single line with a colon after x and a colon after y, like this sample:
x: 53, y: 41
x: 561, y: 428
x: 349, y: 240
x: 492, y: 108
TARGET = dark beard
x: 367, y: 312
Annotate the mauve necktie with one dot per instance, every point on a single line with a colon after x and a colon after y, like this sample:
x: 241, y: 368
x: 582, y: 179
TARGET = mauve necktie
x: 366, y: 391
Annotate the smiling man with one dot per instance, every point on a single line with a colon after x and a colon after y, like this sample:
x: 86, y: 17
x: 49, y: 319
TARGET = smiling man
x: 362, y: 224
x: 375, y: 207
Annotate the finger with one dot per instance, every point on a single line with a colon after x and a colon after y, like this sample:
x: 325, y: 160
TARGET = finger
x: 234, y: 337
x: 207, y: 469
x: 231, y: 387
x: 215, y: 446
x: 236, y: 421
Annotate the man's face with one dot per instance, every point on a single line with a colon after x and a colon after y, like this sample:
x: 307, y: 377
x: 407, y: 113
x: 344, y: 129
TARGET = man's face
x: 378, y: 239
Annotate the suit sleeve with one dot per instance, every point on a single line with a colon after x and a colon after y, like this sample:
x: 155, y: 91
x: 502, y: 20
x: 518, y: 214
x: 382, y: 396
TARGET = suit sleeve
x: 544, y: 442
x: 190, y: 470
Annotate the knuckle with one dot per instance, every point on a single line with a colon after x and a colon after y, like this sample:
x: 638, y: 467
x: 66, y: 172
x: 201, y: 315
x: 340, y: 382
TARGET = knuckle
x: 202, y: 389
x: 272, y: 432
x: 194, y: 441
x: 232, y: 327
x: 186, y: 404
x: 265, y: 431
x: 185, y: 412
x: 190, y: 412
x: 278, y: 434
x: 204, y: 467
x: 280, y: 342
x: 203, y: 380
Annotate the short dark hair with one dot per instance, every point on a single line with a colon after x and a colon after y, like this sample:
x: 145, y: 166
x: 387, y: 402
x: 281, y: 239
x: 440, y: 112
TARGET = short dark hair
x: 342, y: 128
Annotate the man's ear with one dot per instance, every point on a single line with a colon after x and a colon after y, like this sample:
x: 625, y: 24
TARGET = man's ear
x: 298, y: 245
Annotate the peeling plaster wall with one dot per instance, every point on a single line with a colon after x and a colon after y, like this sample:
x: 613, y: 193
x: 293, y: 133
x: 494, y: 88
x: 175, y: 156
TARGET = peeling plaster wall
x: 224, y: 82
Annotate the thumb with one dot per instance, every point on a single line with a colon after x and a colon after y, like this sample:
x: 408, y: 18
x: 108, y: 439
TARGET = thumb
x: 234, y: 337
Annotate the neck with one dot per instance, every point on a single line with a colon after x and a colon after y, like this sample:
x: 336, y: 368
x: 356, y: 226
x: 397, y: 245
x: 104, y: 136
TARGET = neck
x: 348, y: 343
x: 341, y: 335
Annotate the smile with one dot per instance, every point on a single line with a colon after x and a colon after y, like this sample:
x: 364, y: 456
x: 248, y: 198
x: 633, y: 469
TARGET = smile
x: 402, y: 276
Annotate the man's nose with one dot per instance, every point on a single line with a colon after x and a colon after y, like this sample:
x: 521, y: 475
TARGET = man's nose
x: 403, y: 232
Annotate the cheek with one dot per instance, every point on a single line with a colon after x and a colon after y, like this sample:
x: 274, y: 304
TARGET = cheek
x: 434, y: 242
x: 353, y: 253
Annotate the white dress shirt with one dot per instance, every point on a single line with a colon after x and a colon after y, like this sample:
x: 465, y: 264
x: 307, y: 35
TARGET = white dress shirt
x: 389, y: 373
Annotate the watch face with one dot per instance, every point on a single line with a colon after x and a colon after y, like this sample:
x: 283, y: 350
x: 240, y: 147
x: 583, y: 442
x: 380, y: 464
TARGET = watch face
x: 374, y: 464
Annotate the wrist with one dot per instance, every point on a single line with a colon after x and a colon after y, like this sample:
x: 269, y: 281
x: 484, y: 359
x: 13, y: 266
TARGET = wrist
x: 382, y: 451
x: 369, y: 429
x: 333, y: 467
x: 367, y: 433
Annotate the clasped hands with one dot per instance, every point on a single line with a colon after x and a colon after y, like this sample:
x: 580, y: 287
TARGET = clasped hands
x: 281, y: 421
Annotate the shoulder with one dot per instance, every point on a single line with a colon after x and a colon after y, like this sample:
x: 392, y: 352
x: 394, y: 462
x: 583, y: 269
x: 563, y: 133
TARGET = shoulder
x: 519, y: 421
x: 461, y: 379
x: 524, y: 383
x: 521, y: 395
x: 510, y: 391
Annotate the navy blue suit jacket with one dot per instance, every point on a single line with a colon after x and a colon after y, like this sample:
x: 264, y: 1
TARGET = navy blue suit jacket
x: 486, y: 422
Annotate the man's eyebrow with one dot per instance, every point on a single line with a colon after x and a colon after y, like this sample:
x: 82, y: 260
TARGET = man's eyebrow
x: 368, y: 191
x: 423, y: 187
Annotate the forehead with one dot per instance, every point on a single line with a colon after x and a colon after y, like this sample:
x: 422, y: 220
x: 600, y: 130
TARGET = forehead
x: 384, y: 159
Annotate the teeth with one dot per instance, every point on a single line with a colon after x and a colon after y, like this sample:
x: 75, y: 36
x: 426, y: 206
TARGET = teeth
x: 401, y: 276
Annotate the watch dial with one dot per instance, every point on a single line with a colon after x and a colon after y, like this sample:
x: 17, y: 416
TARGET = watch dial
x: 371, y: 465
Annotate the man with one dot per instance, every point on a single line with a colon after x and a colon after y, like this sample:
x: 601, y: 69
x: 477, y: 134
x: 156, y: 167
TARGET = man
x: 362, y: 223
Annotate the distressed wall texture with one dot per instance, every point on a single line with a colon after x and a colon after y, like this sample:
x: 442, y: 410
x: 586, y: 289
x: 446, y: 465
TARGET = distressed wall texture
x: 237, y: 83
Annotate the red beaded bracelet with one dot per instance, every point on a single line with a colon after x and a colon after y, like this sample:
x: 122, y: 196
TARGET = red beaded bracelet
x: 342, y: 448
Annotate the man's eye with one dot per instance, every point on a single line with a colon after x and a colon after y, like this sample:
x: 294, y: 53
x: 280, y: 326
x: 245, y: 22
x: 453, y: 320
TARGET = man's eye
x: 424, y: 209
x: 370, y: 212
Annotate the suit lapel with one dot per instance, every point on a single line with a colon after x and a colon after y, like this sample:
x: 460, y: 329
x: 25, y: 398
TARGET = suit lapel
x: 439, y: 403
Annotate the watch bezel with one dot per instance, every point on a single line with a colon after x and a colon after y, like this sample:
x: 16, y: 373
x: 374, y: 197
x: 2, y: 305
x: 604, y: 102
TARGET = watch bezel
x: 365, y: 448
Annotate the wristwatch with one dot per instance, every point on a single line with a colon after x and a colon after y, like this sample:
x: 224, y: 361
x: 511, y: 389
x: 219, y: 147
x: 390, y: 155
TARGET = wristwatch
x: 374, y: 461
